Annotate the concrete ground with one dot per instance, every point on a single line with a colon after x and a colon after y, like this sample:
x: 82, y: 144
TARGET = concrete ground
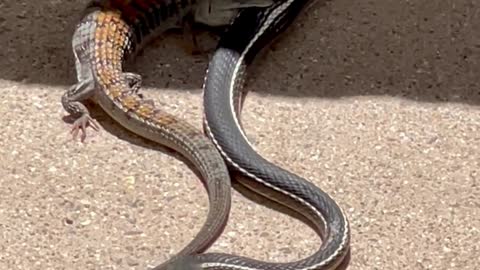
x: 377, y: 102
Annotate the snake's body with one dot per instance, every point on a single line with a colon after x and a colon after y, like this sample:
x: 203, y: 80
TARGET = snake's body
x: 249, y: 33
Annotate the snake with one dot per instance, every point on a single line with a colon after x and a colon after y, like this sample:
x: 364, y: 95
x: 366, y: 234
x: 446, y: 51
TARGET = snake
x: 250, y: 32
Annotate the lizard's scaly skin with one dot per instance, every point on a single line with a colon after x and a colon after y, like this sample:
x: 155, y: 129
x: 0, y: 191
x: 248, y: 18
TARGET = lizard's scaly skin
x: 105, y: 36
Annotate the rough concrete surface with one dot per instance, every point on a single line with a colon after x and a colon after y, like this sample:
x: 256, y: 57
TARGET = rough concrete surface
x: 377, y: 102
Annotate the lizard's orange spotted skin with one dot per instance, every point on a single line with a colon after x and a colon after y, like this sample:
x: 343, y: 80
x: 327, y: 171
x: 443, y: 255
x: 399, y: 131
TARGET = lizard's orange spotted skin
x: 111, y: 36
x: 113, y: 43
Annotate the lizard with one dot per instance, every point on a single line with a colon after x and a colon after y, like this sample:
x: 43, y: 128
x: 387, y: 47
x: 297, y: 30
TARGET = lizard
x: 109, y: 33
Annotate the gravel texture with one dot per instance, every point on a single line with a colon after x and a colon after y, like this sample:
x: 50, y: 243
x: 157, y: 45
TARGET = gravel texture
x: 377, y: 102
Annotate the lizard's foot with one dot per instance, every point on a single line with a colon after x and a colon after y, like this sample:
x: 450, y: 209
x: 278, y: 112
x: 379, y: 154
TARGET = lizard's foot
x: 81, y: 125
x: 134, y: 80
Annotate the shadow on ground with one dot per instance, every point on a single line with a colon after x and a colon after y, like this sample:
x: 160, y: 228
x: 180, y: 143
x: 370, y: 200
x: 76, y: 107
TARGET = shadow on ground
x: 421, y: 50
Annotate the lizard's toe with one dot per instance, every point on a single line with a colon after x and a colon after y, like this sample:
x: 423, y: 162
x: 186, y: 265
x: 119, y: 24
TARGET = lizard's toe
x: 81, y: 125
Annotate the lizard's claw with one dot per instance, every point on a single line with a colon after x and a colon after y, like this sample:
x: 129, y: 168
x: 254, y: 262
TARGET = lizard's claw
x: 81, y: 125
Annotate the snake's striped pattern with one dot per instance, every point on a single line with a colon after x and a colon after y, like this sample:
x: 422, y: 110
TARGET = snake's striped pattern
x: 251, y: 31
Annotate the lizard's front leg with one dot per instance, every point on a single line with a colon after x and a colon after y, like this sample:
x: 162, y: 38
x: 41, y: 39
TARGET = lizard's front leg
x: 72, y: 103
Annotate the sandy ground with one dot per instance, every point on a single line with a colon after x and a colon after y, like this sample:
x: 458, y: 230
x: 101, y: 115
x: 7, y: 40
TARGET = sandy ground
x: 377, y: 102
